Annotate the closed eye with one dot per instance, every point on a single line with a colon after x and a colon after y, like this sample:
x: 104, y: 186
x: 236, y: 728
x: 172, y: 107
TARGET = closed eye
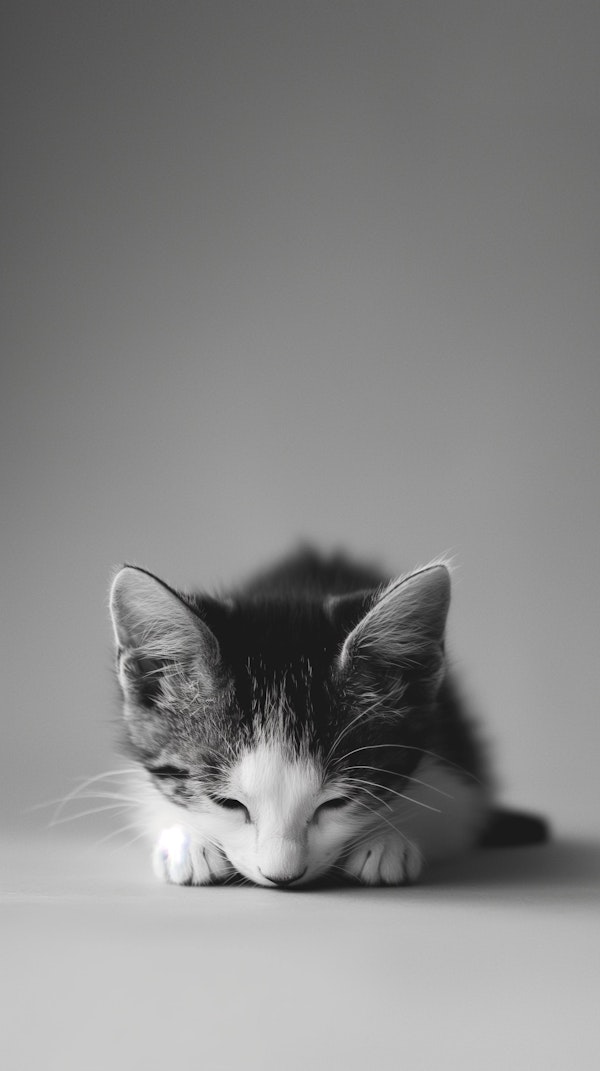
x: 231, y: 805
x: 167, y: 771
x: 334, y: 804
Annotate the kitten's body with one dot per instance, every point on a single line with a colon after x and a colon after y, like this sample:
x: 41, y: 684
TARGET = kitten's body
x: 302, y: 726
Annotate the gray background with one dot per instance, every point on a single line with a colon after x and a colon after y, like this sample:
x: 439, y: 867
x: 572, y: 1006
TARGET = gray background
x: 283, y: 270
x: 323, y: 270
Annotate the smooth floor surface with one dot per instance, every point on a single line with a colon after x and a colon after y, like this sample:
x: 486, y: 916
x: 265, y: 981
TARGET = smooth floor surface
x: 491, y: 963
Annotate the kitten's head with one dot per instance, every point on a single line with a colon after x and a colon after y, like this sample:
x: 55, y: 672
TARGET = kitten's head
x: 276, y: 724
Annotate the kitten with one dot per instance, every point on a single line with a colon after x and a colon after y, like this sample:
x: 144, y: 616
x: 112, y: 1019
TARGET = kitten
x: 305, y: 725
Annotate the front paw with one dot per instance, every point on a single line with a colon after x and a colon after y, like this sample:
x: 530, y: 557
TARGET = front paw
x: 182, y: 859
x: 387, y: 860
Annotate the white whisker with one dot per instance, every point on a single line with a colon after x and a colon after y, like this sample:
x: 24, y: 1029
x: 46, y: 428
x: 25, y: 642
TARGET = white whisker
x: 379, y: 816
x: 408, y: 777
x: 80, y: 788
x: 84, y: 814
x: 360, y: 781
x: 117, y: 832
x: 410, y: 747
x: 128, y: 844
x: 104, y: 796
x: 395, y: 792
x: 76, y: 792
x: 363, y: 713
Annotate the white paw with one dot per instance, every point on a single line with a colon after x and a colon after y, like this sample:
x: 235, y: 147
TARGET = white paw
x: 388, y: 860
x: 182, y: 859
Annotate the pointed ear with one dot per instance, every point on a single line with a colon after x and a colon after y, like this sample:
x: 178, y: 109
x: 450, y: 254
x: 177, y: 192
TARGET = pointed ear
x: 154, y: 627
x: 404, y: 628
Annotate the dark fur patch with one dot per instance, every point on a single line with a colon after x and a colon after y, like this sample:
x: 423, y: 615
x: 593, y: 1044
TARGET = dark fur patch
x: 280, y: 638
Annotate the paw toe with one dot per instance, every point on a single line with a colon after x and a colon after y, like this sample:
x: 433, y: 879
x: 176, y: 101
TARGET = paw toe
x: 181, y: 859
x: 393, y: 861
